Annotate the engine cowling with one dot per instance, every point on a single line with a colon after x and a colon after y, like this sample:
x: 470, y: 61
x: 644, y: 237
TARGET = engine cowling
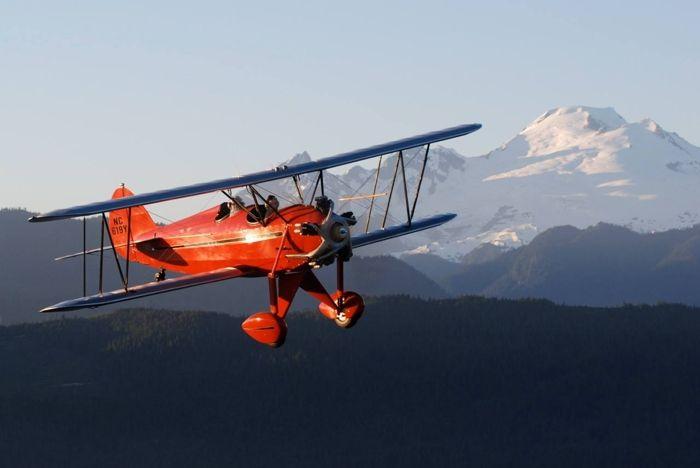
x: 335, y: 232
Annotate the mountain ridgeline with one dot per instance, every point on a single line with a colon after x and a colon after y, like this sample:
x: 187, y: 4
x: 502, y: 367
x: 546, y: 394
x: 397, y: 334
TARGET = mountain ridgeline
x: 600, y: 265
x: 465, y: 382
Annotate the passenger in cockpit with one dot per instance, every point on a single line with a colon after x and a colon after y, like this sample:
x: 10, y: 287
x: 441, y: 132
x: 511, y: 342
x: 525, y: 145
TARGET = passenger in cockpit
x: 272, y: 206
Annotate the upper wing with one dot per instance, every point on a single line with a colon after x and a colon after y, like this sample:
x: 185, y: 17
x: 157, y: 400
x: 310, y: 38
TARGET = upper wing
x: 259, y: 177
x: 359, y: 240
x: 143, y: 290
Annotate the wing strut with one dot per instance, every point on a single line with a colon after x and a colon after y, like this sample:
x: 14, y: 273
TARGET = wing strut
x: 258, y: 217
x: 405, y: 189
x: 391, y: 190
x: 84, y: 259
x: 374, y: 193
x: 114, y: 251
x: 102, y: 243
x: 299, y: 192
x: 410, y: 206
x: 318, y: 179
x: 420, y: 181
x: 128, y: 249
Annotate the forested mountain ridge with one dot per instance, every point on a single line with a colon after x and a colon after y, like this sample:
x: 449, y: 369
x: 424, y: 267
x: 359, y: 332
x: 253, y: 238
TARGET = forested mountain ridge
x: 600, y: 265
x: 416, y: 383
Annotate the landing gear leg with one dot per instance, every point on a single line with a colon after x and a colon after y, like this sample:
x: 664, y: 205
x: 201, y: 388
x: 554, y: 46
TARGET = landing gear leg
x: 270, y: 328
x: 348, y: 305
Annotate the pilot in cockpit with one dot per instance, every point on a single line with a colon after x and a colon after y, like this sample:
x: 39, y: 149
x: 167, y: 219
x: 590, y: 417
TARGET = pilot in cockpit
x: 227, y: 209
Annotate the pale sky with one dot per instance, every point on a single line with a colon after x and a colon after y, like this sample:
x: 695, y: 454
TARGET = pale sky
x: 164, y: 93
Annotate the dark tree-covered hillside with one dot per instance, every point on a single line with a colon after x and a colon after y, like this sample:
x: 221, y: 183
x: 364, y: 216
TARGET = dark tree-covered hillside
x: 467, y: 382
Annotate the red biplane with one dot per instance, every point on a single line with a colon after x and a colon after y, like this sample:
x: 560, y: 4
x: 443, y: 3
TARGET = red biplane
x: 234, y: 239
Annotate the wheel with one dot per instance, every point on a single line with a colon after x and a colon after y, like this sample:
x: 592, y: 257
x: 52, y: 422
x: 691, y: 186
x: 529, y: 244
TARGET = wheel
x: 352, y: 309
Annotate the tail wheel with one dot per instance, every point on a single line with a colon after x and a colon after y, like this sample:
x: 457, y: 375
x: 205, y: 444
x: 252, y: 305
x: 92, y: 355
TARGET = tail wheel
x: 351, y: 309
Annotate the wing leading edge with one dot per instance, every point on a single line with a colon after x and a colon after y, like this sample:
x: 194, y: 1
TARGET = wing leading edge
x: 144, y: 290
x: 259, y: 177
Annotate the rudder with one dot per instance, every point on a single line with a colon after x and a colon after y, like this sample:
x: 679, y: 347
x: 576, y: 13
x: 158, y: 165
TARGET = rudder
x: 118, y: 223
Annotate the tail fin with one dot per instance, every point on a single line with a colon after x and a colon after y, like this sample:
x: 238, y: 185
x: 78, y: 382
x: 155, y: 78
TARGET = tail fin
x: 141, y: 222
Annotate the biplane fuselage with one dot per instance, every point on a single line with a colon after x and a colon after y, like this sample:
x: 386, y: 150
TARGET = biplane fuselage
x: 199, y: 243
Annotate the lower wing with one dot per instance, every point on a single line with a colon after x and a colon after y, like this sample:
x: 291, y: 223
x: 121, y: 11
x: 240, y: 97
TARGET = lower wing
x: 143, y: 290
x: 188, y: 281
x: 359, y: 240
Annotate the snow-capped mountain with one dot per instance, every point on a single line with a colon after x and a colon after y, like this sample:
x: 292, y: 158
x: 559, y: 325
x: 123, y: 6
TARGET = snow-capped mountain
x: 572, y: 165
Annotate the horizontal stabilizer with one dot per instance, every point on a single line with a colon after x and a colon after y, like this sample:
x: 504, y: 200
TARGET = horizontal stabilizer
x: 143, y: 290
x: 80, y: 254
x: 260, y: 177
x: 96, y: 250
x: 359, y: 240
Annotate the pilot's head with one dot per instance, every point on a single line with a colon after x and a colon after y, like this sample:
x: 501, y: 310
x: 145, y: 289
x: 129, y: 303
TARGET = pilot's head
x: 273, y: 202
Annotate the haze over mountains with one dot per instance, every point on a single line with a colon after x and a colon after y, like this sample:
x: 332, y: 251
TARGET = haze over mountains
x: 571, y: 166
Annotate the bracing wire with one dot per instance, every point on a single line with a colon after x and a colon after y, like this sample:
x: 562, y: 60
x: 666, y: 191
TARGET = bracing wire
x: 153, y: 213
x: 291, y: 202
x: 386, y: 186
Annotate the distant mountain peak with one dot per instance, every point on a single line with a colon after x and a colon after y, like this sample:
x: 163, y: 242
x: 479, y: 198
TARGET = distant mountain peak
x: 651, y: 125
x: 299, y: 158
x: 578, y: 117
x: 572, y: 165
